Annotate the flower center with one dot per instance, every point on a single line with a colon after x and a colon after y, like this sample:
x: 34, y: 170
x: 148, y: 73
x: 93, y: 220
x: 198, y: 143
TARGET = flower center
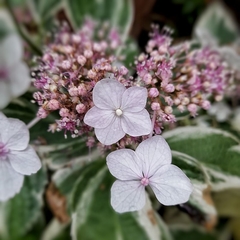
x: 3, y: 150
x: 119, y: 112
x: 144, y: 181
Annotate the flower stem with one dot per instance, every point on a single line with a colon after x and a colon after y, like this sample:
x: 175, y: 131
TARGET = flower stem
x: 33, y: 122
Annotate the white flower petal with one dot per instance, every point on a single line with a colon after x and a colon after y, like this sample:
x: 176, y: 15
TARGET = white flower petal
x: 25, y: 162
x: 19, y: 79
x: 2, y: 117
x: 127, y: 196
x: 154, y: 152
x: 124, y: 165
x: 107, y: 94
x: 134, y: 99
x: 10, y: 181
x: 137, y: 123
x: 11, y: 50
x: 5, y: 94
x: 111, y: 134
x: 99, y: 118
x: 170, y: 185
x: 14, y: 134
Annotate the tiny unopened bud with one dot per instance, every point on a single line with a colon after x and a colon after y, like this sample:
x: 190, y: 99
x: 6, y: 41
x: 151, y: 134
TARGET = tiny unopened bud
x: 66, y: 64
x: 192, y: 108
x: 42, y: 113
x: 206, y: 105
x: 76, y: 39
x: 153, y: 92
x: 177, y: 101
x: 97, y: 47
x: 181, y: 108
x: 123, y: 70
x: 82, y: 91
x: 64, y: 112
x: 53, y: 88
x: 155, y: 106
x: 169, y: 88
x: 88, y: 53
x: 92, y: 74
x: 53, y: 104
x: 81, y: 60
x: 168, y: 110
x: 147, y: 78
x: 185, y: 101
x: 218, y: 98
x: 141, y: 57
x: 81, y: 108
x: 73, y: 91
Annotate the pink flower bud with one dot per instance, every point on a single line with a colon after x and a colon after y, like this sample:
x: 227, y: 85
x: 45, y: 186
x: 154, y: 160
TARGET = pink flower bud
x: 169, y: 88
x: 155, y: 106
x: 82, y: 91
x: 53, y: 104
x: 76, y: 39
x: 206, y: 104
x: 73, y: 91
x: 91, y: 74
x: 66, y: 64
x: 123, y: 70
x: 81, y: 108
x: 168, y: 110
x: 153, y: 92
x: 147, y: 78
x: 42, y: 113
x: 88, y: 53
x: 81, y: 60
x: 192, y: 108
x: 64, y: 112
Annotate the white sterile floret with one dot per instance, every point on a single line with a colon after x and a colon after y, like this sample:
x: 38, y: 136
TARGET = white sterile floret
x: 118, y: 111
x: 149, y: 165
x: 14, y: 73
x: 17, y: 158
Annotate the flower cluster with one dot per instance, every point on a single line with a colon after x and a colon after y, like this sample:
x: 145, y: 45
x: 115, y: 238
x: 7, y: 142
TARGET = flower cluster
x: 69, y: 70
x: 178, y: 76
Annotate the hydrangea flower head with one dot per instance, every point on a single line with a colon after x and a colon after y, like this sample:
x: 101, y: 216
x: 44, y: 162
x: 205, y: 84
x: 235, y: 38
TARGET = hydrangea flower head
x: 14, y: 73
x: 149, y: 165
x: 118, y: 111
x: 17, y: 158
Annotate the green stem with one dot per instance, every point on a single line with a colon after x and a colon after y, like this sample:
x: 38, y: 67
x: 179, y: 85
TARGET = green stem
x: 35, y: 48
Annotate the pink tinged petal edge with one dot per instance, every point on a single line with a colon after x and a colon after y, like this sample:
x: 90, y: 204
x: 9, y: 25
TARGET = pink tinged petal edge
x: 137, y: 123
x: 171, y: 186
x: 154, y: 152
x: 111, y: 134
x: 107, y: 94
x: 15, y: 134
x: 99, y: 118
x: 124, y: 165
x: 127, y: 196
x: 134, y: 99
x: 10, y: 181
x: 25, y: 162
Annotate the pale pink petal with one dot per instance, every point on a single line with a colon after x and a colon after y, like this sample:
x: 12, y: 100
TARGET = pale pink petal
x: 107, y: 94
x: 154, y: 152
x: 111, y: 134
x: 124, y: 165
x: 15, y: 134
x: 19, y: 79
x: 134, y: 99
x: 5, y: 94
x: 99, y: 118
x: 10, y: 181
x: 127, y: 196
x: 11, y: 50
x: 25, y: 162
x: 170, y: 185
x: 137, y: 123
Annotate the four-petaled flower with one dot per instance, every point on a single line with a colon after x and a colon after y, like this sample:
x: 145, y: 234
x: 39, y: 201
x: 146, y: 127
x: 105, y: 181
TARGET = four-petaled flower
x: 14, y: 73
x: 149, y: 165
x: 118, y: 111
x: 17, y: 158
